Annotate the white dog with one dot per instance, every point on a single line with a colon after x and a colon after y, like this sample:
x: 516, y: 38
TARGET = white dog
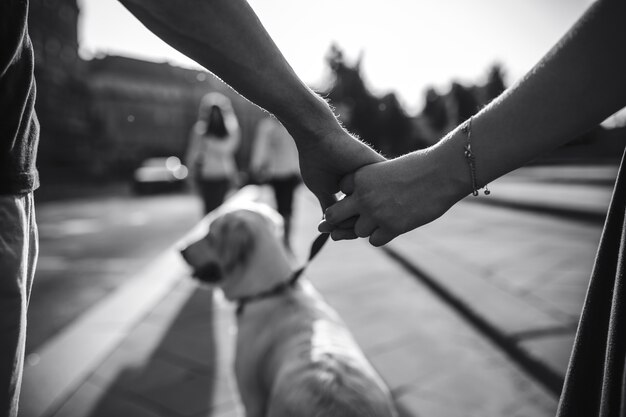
x: 294, y: 355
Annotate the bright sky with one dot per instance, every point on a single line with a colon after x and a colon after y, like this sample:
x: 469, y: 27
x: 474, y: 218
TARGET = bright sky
x: 407, y: 45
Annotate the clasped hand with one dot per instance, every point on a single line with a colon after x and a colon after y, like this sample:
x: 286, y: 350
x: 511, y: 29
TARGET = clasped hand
x: 386, y: 199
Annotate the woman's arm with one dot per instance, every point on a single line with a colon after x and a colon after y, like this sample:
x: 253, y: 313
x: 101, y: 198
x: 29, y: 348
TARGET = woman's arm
x: 193, y: 148
x: 578, y: 84
x: 260, y: 145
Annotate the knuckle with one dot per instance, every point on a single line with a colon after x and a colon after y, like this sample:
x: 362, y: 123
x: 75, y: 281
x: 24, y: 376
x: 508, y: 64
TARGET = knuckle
x: 360, y: 231
x: 329, y: 215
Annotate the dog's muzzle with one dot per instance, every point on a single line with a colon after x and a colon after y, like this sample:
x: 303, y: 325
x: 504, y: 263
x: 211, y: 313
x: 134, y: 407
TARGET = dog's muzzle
x: 210, y: 273
x: 204, y: 269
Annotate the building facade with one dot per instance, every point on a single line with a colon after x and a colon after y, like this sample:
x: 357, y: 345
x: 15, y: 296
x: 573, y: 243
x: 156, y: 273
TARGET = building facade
x: 100, y: 118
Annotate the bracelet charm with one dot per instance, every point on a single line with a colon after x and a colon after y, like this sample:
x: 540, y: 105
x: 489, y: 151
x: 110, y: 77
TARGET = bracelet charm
x: 471, y: 159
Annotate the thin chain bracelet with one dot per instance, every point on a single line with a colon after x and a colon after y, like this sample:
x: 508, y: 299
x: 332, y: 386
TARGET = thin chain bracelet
x: 471, y: 159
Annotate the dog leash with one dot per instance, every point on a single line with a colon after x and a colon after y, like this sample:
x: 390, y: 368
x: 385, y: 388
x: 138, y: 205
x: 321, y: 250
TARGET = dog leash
x: 278, y: 289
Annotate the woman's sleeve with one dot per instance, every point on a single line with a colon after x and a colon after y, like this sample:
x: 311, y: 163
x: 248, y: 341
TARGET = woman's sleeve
x: 193, y: 147
x: 260, y: 146
x: 234, y: 139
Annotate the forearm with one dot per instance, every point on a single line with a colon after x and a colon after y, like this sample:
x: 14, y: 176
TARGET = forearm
x: 227, y: 38
x: 576, y: 86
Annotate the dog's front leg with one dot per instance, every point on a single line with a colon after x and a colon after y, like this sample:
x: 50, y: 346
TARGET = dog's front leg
x: 254, y: 406
x: 252, y: 396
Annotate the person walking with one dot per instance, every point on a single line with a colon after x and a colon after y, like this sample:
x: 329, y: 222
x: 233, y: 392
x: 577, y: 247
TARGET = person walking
x: 213, y: 142
x: 275, y: 162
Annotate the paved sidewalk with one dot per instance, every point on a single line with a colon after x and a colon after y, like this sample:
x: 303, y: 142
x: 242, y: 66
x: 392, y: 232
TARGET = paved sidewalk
x: 517, y: 264
x: 175, y: 359
x: 580, y: 193
x: 162, y: 346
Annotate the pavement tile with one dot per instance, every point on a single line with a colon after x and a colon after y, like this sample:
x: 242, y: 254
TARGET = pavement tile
x: 192, y: 341
x: 170, y: 306
x: 408, y: 365
x: 357, y: 279
x: 484, y: 388
x: 507, y: 312
x: 82, y: 402
x: 426, y: 406
x: 188, y: 396
x: 167, y: 385
x: 517, y: 277
x: 92, y: 401
x: 554, y: 350
x: 130, y: 355
x: 533, y: 406
x: 553, y: 194
x: 141, y: 343
x: 228, y: 410
x: 564, y: 295
x: 391, y: 327
x: 170, y: 365
x: 225, y: 394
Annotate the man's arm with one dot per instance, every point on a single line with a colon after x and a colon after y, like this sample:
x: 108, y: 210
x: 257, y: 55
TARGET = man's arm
x: 227, y: 38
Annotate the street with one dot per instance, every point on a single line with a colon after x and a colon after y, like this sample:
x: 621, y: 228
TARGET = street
x: 89, y: 246
x: 472, y: 315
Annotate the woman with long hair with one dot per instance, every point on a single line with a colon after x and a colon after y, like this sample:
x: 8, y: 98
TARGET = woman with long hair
x: 215, y: 138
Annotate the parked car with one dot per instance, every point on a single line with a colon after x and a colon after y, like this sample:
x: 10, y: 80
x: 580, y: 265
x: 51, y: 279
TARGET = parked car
x: 159, y: 175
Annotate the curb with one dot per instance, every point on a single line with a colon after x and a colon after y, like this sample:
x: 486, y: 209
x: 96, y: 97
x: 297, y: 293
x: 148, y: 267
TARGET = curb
x: 562, y: 212
x: 550, y: 379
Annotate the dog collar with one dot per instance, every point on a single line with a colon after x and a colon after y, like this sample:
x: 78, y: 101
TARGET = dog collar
x: 278, y: 289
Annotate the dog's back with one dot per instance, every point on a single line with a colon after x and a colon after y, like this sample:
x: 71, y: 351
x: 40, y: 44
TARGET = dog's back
x: 330, y: 388
x: 314, y: 365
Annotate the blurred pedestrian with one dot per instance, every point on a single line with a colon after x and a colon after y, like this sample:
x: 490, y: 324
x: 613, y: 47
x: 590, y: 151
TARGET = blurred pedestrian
x: 275, y: 162
x: 214, y: 139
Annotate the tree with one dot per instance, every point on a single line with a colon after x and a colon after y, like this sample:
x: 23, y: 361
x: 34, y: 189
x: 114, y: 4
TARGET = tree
x: 465, y: 100
x: 495, y: 82
x: 435, y: 110
x: 379, y: 121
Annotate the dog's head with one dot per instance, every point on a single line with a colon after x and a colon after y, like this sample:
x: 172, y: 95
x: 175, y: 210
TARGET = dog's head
x: 233, y: 238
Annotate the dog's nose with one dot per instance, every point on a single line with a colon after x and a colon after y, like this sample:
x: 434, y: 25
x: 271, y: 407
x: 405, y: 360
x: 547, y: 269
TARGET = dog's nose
x: 185, y: 254
x: 210, y: 273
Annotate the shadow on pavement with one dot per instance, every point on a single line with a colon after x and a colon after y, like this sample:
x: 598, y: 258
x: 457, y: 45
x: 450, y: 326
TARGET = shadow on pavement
x: 179, y: 378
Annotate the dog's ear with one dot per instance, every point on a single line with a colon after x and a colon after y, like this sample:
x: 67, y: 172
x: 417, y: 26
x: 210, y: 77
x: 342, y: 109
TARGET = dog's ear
x: 234, y: 239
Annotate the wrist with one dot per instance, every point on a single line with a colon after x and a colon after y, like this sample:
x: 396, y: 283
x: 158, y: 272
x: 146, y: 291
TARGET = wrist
x: 452, y: 165
x: 310, y: 120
